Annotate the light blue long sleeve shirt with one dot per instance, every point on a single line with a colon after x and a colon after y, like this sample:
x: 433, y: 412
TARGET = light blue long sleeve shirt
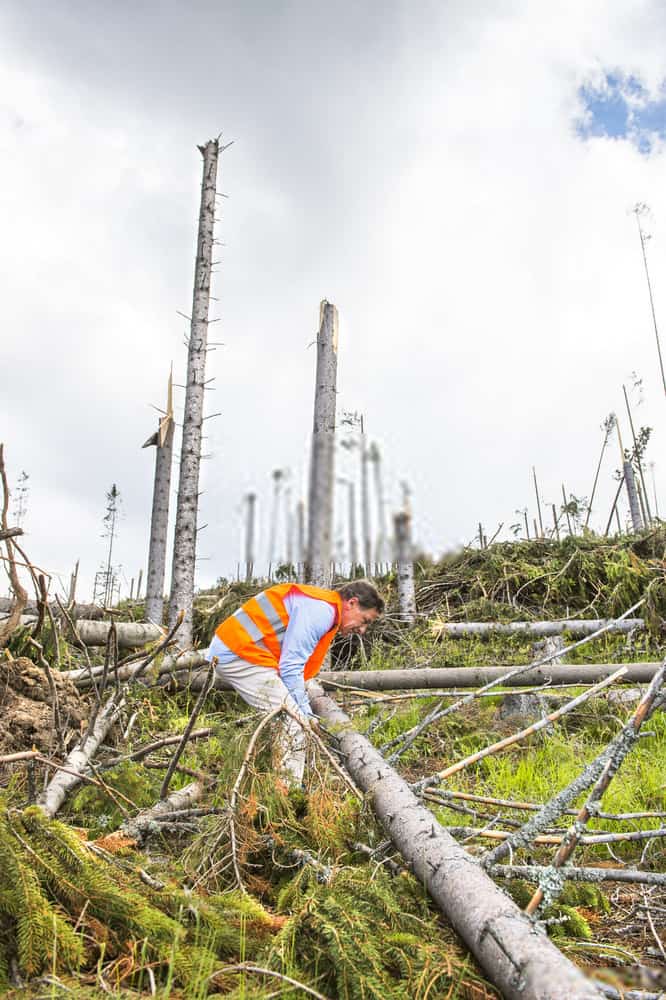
x: 309, y: 620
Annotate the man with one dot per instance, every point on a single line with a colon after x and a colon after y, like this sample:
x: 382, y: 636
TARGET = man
x: 277, y: 641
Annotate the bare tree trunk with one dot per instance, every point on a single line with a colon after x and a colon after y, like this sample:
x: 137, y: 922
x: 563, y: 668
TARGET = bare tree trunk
x: 403, y: 555
x: 322, y: 479
x: 183, y: 798
x: 251, y: 500
x: 185, y: 537
x: 632, y: 494
x: 159, y: 520
x: 288, y: 527
x: 365, y: 505
x: 375, y: 457
x: 353, y: 537
x: 300, y: 539
x: 538, y: 500
x: 522, y: 964
x: 273, y: 560
x: 71, y: 596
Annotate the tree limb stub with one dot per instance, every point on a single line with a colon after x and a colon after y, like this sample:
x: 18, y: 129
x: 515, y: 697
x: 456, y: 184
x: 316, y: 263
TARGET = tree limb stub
x: 520, y: 961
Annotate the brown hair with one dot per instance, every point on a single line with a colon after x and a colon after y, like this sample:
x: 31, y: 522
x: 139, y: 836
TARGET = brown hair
x: 368, y: 595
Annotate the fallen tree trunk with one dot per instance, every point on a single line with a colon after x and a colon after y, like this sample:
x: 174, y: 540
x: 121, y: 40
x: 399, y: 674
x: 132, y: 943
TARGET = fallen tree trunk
x: 186, y: 668
x: 522, y: 963
x: 582, y: 626
x: 470, y: 677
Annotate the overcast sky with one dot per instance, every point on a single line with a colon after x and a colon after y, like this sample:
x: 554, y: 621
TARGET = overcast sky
x: 457, y: 177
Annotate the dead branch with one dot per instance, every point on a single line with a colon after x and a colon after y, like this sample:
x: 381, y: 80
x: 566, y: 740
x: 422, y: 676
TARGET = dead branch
x: 589, y: 808
x: 523, y: 734
x: 534, y: 873
x: 188, y: 728
x: 10, y: 533
x: 146, y: 821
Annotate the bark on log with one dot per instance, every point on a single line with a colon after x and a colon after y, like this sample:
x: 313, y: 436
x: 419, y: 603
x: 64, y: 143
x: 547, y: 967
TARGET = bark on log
x: 454, y: 630
x: 322, y: 459
x: 185, y: 535
x: 521, y: 963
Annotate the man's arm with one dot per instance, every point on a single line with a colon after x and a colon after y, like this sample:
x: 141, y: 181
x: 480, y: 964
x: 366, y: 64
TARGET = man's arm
x: 309, y: 620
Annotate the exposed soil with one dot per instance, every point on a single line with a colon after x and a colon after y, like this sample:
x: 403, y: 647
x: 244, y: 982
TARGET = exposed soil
x: 26, y: 710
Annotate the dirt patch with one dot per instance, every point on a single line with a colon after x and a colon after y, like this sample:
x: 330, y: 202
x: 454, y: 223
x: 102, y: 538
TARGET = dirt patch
x: 26, y: 712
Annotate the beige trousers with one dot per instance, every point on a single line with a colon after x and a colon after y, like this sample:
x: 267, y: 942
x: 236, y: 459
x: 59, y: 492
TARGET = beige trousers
x: 263, y: 688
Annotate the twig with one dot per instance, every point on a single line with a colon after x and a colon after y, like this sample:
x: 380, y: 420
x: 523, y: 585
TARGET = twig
x: 246, y: 967
x: 531, y: 666
x: 55, y: 707
x: 233, y: 799
x: 534, y: 728
x: 532, y: 873
x: 152, y: 748
x: 589, y: 808
x: 188, y: 728
x: 166, y: 641
x: 81, y: 645
x: 326, y: 752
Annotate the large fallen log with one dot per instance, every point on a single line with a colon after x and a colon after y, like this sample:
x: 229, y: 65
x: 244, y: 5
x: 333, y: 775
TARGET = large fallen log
x: 186, y: 669
x: 521, y: 962
x: 574, y: 626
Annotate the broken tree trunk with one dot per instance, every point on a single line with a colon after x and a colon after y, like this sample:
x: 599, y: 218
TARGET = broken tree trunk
x: 582, y: 626
x: 322, y: 479
x: 159, y: 521
x: 185, y: 536
x: 522, y: 963
x: 405, y: 567
x: 632, y: 495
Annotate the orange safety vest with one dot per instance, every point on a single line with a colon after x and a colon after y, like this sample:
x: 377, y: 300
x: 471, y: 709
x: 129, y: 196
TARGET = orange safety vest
x: 254, y: 632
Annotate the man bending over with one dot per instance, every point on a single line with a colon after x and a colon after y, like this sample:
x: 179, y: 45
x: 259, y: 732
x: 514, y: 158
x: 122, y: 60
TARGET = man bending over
x: 277, y: 641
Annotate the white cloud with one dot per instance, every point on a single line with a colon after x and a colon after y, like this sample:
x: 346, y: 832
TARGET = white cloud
x: 424, y: 174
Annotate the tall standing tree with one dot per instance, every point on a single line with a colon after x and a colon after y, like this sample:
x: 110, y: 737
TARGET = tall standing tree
x: 251, y: 501
x: 405, y: 567
x: 322, y: 476
x: 110, y: 521
x: 185, y: 537
x: 162, y: 439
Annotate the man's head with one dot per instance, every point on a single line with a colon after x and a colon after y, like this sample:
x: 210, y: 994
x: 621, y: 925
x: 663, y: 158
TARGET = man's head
x: 361, y: 605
